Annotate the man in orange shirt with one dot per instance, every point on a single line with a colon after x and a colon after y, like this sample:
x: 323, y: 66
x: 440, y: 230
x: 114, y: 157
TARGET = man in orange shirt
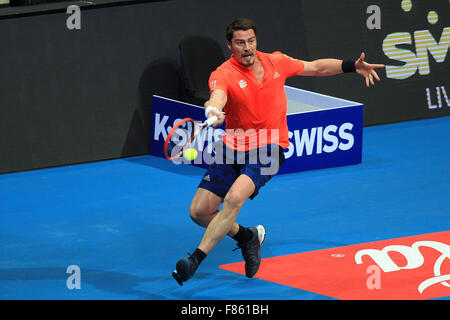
x: 249, y: 87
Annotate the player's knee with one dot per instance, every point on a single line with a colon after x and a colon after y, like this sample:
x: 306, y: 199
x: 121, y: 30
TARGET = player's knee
x: 234, y: 199
x: 198, y: 213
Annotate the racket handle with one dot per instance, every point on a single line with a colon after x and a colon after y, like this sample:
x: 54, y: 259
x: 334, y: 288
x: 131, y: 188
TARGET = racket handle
x: 211, y: 121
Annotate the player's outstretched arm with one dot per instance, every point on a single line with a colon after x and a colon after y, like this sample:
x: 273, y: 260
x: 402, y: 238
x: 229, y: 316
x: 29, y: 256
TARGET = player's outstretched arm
x: 330, y: 67
x: 322, y: 67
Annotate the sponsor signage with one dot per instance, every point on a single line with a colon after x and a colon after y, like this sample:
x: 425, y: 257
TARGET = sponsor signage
x: 409, y: 268
x: 324, y: 131
x: 411, y: 37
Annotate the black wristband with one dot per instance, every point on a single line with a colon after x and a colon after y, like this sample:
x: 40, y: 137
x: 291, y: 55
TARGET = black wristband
x: 348, y: 66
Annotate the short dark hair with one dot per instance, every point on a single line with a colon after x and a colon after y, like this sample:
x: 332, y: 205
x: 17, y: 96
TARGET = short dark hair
x: 239, y: 24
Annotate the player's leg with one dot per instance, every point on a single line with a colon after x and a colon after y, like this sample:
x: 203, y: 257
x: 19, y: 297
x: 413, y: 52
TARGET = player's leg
x: 218, y: 223
x: 223, y: 222
x: 205, y: 206
x: 249, y: 239
x: 233, y: 184
x: 267, y: 165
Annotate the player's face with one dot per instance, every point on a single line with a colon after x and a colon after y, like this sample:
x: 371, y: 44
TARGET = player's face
x: 243, y: 46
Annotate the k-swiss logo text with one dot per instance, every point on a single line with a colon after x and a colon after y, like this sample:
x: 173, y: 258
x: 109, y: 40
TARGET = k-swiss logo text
x: 303, y: 143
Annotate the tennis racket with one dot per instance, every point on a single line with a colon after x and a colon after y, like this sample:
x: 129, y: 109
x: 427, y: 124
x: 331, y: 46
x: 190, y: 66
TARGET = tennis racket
x: 183, y: 135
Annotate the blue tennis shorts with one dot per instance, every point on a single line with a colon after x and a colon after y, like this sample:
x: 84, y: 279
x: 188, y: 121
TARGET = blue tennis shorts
x: 259, y: 164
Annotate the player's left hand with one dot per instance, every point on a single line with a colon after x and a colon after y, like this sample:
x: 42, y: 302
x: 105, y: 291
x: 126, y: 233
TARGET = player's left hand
x: 367, y: 70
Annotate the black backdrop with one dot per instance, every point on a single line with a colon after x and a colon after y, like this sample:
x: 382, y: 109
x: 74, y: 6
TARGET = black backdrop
x: 72, y: 96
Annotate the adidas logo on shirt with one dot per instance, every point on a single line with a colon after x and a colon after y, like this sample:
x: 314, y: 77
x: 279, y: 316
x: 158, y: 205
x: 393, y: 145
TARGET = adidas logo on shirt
x: 207, y: 178
x: 276, y: 75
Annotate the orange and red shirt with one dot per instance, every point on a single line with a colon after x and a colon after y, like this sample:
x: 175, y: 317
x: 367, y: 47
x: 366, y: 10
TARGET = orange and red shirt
x: 255, y: 113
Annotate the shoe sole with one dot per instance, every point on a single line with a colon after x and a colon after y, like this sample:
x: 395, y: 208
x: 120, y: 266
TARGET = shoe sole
x: 177, y: 277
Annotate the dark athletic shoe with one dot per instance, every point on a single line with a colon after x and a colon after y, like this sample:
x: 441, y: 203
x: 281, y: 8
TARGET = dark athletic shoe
x: 251, y: 250
x: 185, y: 269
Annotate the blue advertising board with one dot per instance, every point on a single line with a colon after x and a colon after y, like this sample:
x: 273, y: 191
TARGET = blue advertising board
x: 324, y: 131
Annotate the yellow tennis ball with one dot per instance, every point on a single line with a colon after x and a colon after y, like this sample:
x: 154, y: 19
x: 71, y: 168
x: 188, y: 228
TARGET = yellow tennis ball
x: 190, y: 154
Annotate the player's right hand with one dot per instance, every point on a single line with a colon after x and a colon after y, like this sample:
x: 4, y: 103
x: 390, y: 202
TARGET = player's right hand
x: 220, y: 117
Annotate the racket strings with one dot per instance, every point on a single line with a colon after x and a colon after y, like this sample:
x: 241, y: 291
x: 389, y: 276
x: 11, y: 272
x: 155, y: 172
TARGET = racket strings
x: 184, y: 135
x: 181, y: 138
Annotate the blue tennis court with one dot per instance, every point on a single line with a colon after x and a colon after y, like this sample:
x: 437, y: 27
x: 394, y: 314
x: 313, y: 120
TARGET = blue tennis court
x: 125, y: 222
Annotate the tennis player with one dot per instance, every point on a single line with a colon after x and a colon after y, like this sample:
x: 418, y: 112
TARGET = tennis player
x: 249, y: 87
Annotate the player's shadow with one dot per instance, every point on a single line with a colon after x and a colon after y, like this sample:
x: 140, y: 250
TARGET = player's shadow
x: 115, y: 282
x: 166, y: 165
x: 160, y: 77
x: 109, y: 281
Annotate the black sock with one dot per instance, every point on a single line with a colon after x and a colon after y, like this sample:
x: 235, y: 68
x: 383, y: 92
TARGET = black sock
x: 243, y: 235
x: 199, y: 255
